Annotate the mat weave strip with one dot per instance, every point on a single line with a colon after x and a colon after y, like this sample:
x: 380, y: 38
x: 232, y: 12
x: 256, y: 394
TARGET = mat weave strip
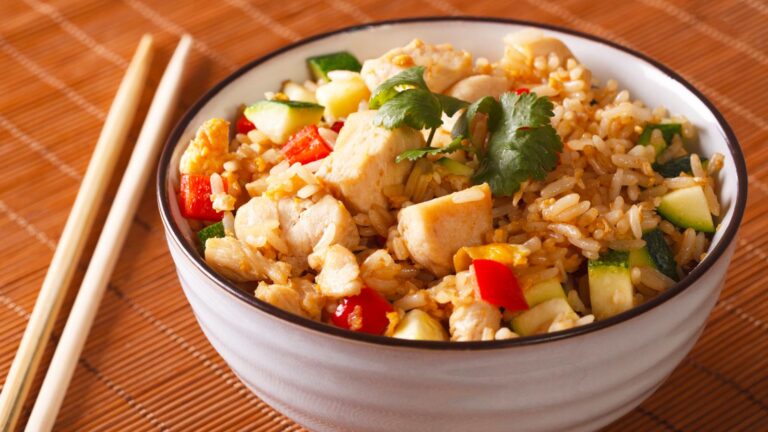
x: 147, y: 365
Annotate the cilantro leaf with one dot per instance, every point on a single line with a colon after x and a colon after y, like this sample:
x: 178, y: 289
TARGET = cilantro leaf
x: 523, y: 146
x: 416, y: 108
x: 450, y: 105
x: 412, y: 78
x: 488, y: 106
x: 415, y: 154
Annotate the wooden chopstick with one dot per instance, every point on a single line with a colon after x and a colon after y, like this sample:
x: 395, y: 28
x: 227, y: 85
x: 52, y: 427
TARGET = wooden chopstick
x: 74, y: 236
x: 139, y: 170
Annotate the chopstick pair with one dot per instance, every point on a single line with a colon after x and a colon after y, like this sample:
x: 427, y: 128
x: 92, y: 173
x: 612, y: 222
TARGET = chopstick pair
x: 76, y: 230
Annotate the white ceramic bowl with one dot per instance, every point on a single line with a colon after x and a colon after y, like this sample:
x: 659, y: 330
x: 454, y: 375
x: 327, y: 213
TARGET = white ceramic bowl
x: 329, y: 379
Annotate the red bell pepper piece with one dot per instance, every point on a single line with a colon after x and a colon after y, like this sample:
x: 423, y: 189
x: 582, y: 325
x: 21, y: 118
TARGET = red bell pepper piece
x: 306, y: 146
x: 195, y: 198
x: 365, y: 312
x: 336, y: 126
x: 498, y: 285
x: 244, y: 125
x: 522, y: 90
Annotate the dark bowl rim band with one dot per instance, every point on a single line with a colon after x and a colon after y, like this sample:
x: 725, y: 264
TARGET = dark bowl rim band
x: 194, y: 256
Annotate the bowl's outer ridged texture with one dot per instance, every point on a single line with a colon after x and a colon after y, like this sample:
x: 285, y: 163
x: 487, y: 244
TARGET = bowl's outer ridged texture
x: 331, y: 383
x: 328, y: 383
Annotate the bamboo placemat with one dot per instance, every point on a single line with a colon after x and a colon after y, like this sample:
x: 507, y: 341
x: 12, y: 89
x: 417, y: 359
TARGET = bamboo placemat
x: 147, y: 365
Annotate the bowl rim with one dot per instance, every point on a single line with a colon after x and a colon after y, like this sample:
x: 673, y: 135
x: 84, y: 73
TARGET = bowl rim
x: 326, y: 329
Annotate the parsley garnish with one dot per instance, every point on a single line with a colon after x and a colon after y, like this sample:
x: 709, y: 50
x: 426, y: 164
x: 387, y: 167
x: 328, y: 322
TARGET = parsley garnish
x: 418, y: 153
x: 523, y: 146
x: 405, y: 100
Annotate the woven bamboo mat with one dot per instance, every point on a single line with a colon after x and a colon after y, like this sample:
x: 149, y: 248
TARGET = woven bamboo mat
x: 146, y: 364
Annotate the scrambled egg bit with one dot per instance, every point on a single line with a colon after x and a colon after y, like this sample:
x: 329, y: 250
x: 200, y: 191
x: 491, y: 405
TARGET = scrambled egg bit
x: 206, y: 152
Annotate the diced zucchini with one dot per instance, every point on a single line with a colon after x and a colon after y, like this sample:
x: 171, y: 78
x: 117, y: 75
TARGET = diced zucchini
x: 543, y: 291
x: 610, y: 284
x: 211, y: 231
x: 674, y: 167
x: 687, y: 208
x: 281, y: 119
x: 418, y: 325
x: 342, y: 97
x: 668, y: 131
x: 538, y: 319
x: 640, y: 258
x: 297, y: 92
x: 660, y: 253
x: 322, y: 64
x: 455, y: 167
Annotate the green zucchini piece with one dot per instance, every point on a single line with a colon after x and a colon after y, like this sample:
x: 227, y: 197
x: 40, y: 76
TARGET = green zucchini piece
x: 660, y: 253
x: 687, y: 208
x: 280, y: 119
x: 322, y: 64
x: 543, y: 291
x: 610, y: 284
x: 674, y: 167
x: 211, y: 231
x: 668, y: 131
x: 455, y: 167
x: 641, y: 258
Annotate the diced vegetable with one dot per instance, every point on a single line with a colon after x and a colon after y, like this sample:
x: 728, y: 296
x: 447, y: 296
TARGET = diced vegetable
x: 498, y: 285
x: 306, y: 146
x: 674, y: 167
x: 336, y: 126
x: 610, y: 285
x: 342, y: 97
x: 687, y: 208
x: 365, y: 312
x: 668, y: 131
x: 297, y: 92
x: 211, y: 231
x: 538, y: 319
x: 640, y: 258
x: 543, y: 291
x: 660, y: 253
x: 522, y: 90
x: 281, y: 119
x: 455, y: 167
x: 322, y: 64
x: 505, y: 253
x: 418, y: 325
x: 195, y: 198
x: 244, y: 125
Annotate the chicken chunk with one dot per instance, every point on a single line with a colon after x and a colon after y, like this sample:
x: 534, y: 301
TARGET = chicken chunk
x: 257, y: 224
x: 340, y: 274
x: 363, y: 161
x: 237, y: 261
x: 206, y: 152
x: 303, y: 228
x: 434, y: 230
x: 476, y: 87
x: 469, y: 322
x: 443, y: 65
x: 299, y: 296
x: 532, y: 43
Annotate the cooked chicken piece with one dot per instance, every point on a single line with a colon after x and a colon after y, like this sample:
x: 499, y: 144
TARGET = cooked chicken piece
x: 363, y: 161
x: 476, y: 87
x: 237, y: 261
x: 443, y: 65
x: 532, y: 43
x: 434, y: 230
x: 469, y: 321
x: 302, y: 228
x: 299, y: 296
x: 257, y: 224
x: 340, y: 274
x: 205, y: 153
x: 380, y: 272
